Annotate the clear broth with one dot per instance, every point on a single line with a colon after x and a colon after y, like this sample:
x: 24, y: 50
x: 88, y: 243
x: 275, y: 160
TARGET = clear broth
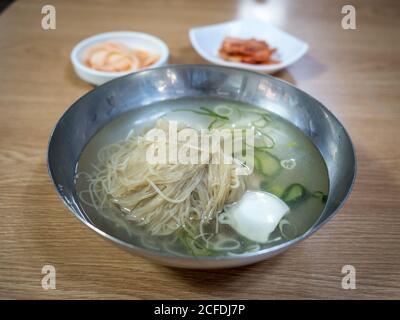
x: 290, y: 143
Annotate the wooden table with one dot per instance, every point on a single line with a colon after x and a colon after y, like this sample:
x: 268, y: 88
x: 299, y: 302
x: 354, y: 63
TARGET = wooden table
x: 356, y: 73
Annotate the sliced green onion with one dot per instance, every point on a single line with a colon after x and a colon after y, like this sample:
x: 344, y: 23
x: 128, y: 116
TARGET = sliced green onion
x: 213, y: 114
x: 288, y: 164
x: 205, y: 112
x: 260, y: 123
x: 265, y: 141
x: 282, y: 224
x: 226, y: 244
x: 216, y: 123
x: 223, y: 110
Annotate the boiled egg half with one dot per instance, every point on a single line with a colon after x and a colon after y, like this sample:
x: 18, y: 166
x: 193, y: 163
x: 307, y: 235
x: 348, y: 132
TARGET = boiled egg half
x: 255, y: 216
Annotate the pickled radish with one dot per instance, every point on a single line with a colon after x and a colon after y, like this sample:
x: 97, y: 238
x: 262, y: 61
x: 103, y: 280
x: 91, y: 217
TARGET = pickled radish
x: 116, y: 57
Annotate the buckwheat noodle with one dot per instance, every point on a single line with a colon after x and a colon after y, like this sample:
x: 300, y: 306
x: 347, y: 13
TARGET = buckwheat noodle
x: 163, y: 197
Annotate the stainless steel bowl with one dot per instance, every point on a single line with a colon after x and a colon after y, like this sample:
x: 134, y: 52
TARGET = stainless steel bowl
x: 101, y: 105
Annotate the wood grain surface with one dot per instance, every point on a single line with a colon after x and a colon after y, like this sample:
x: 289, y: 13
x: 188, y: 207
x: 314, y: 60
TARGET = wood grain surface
x: 355, y: 73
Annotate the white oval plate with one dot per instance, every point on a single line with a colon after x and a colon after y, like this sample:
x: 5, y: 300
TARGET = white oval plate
x: 207, y: 40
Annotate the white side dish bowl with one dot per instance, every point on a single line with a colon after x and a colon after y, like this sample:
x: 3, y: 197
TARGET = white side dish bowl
x: 207, y: 40
x: 132, y: 40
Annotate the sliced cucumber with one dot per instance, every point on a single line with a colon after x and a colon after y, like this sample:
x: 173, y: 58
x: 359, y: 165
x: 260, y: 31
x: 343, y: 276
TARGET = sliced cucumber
x: 266, y: 163
x: 294, y: 194
x: 320, y: 195
x: 274, y: 189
